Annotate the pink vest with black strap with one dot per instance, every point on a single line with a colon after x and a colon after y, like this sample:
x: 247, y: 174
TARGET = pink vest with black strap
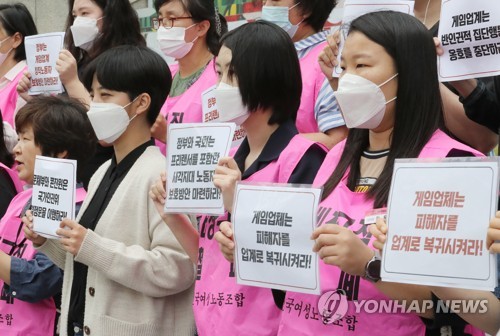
x: 221, y: 306
x: 186, y: 108
x: 8, y: 99
x: 301, y: 312
x: 19, y: 318
x: 312, y: 81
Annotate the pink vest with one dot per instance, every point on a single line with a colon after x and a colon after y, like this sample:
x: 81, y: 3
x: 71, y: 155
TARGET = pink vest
x: 186, y: 108
x: 19, y: 318
x: 8, y: 99
x: 221, y: 306
x: 14, y: 177
x: 312, y: 81
x: 301, y: 314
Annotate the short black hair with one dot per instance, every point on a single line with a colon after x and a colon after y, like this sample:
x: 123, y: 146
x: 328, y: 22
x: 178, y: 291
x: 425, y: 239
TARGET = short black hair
x: 133, y: 70
x: 59, y: 124
x: 265, y: 63
x: 17, y: 19
x: 317, y: 11
x: 202, y: 10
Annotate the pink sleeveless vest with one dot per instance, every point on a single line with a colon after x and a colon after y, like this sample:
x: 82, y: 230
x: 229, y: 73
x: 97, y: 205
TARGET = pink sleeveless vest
x: 301, y: 314
x: 14, y: 177
x: 312, y: 80
x: 221, y: 306
x: 8, y: 99
x: 186, y: 108
x: 22, y: 318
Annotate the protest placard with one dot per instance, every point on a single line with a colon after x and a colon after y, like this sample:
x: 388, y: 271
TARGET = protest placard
x: 438, y: 216
x: 193, y: 151
x: 355, y: 8
x: 470, y: 36
x: 42, y: 52
x: 211, y: 115
x: 273, y: 225
x: 54, y: 188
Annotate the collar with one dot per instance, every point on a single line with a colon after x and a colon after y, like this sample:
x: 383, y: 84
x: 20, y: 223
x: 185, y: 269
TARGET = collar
x: 15, y: 70
x: 310, y: 41
x: 129, y: 160
x: 275, y: 145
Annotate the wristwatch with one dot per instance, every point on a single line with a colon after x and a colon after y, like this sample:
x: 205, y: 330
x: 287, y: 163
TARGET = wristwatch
x: 372, y: 270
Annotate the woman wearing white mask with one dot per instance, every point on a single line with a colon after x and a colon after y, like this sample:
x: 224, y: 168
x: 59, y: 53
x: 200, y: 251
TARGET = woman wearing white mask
x: 387, y: 57
x: 262, y: 94
x: 92, y: 27
x: 189, y: 32
x: 318, y: 115
x: 15, y: 24
x: 124, y: 272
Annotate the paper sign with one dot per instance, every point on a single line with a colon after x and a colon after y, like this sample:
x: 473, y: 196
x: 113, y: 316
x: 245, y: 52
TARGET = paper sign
x: 210, y: 115
x: 272, y: 232
x: 54, y: 187
x: 438, y: 217
x: 193, y: 152
x: 42, y: 52
x: 470, y: 35
x: 355, y: 8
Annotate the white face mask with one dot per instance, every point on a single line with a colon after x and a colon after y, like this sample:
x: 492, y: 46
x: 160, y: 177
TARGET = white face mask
x: 230, y: 105
x: 3, y: 56
x: 280, y: 16
x: 361, y: 101
x: 172, y: 41
x: 84, y: 32
x: 109, y: 120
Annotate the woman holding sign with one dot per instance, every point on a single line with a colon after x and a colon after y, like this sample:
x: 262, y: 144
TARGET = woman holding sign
x: 189, y: 32
x: 382, y: 62
x: 51, y: 127
x: 265, y: 93
x: 15, y: 24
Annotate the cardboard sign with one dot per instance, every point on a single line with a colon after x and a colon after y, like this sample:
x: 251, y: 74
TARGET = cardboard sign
x: 193, y: 152
x: 355, y: 8
x: 272, y: 232
x: 54, y: 188
x: 42, y: 52
x: 211, y: 115
x: 470, y: 36
x: 438, y: 217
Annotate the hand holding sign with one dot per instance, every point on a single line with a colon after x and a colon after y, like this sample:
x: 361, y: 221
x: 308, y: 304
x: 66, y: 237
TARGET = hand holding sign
x: 158, y: 194
x: 339, y: 246
x: 67, y: 68
x: 328, y: 58
x: 34, y: 237
x: 225, y: 239
x: 24, y: 85
x: 227, y: 174
x: 72, y: 235
x: 379, y: 231
x: 493, y: 236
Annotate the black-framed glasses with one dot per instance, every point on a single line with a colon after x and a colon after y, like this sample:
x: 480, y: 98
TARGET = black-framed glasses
x: 169, y: 22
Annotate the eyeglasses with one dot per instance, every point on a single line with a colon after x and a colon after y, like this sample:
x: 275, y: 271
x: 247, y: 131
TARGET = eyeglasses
x: 169, y: 22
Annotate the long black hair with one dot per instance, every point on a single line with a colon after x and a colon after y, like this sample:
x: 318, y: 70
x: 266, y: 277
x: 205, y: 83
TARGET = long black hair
x: 120, y: 26
x: 17, y: 19
x: 419, y: 110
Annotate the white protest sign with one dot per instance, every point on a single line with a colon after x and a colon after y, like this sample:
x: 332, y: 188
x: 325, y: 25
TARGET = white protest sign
x: 42, y: 52
x: 272, y: 233
x: 470, y: 35
x: 211, y: 115
x: 438, y: 216
x: 193, y: 151
x: 355, y: 8
x: 54, y: 188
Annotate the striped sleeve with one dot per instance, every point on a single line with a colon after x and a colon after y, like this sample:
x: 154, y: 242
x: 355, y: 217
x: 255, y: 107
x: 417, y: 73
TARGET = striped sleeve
x: 327, y: 110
